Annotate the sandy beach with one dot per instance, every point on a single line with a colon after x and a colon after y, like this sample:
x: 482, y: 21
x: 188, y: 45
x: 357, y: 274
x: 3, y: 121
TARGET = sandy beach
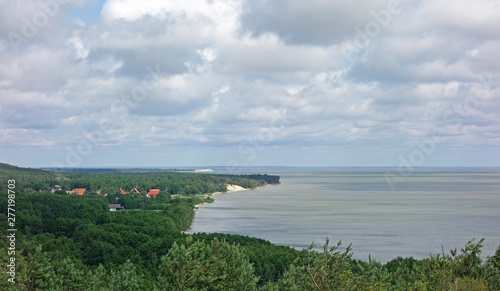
x: 235, y: 188
x: 230, y: 188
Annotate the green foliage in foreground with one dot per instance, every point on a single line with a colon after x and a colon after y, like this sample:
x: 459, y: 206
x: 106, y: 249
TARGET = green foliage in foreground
x: 220, y: 265
x: 216, y: 265
x: 75, y: 243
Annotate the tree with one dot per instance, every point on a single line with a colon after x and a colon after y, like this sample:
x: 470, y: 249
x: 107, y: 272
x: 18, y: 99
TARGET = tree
x: 492, y: 271
x: 468, y: 262
x: 98, y: 279
x: 40, y: 272
x: 69, y: 276
x: 201, y: 266
x: 127, y: 278
x: 329, y: 270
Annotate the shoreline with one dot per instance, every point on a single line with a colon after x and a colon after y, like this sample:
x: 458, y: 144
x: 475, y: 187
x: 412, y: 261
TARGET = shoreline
x: 231, y: 188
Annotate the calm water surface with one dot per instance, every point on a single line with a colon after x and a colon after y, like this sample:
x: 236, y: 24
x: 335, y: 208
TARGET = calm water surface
x: 429, y: 209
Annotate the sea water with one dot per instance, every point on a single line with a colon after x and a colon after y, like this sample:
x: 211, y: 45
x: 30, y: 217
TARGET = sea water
x: 421, y: 213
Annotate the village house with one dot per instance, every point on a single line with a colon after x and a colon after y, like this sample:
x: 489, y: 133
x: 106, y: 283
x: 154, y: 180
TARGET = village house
x: 80, y: 191
x: 115, y: 207
x: 77, y: 191
x: 153, y: 192
x: 135, y: 191
x: 123, y: 192
x: 55, y: 188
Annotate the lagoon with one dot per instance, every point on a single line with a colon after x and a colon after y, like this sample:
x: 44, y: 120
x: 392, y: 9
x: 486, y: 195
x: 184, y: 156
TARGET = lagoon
x: 428, y: 209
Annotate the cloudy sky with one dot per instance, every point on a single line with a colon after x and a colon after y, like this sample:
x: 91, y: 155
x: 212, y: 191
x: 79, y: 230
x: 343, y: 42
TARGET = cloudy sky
x: 250, y: 82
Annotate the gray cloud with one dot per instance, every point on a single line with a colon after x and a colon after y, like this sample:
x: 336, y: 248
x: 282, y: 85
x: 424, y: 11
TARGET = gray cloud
x: 311, y: 22
x: 282, y: 78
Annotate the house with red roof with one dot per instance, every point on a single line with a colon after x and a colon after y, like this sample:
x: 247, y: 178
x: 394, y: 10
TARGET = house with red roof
x: 79, y: 191
x: 153, y: 192
x: 123, y: 192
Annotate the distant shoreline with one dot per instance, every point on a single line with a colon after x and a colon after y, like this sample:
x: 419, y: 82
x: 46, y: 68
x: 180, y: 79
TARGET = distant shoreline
x: 231, y: 188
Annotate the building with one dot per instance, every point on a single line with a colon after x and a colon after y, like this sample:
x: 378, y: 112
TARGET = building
x: 135, y: 191
x: 153, y: 192
x: 79, y: 191
x: 123, y: 192
x: 115, y: 207
x: 55, y: 188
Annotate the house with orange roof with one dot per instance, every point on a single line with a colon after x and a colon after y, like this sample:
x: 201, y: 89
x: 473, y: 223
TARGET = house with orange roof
x: 79, y: 191
x: 153, y: 192
x: 135, y: 191
x: 123, y: 192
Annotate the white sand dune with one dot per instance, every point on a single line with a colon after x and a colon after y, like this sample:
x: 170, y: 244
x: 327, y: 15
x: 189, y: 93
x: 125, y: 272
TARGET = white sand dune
x: 235, y: 188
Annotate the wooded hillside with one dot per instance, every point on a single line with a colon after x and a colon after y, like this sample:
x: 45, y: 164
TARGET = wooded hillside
x: 72, y: 242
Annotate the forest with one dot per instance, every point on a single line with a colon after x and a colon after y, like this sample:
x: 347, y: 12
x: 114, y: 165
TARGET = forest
x: 73, y: 242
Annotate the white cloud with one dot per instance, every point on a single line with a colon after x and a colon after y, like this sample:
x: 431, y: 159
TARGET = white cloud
x: 223, y: 14
x: 81, y: 51
x: 229, y: 69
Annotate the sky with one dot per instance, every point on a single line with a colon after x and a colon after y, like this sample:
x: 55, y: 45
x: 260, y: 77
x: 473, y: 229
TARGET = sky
x: 240, y: 83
